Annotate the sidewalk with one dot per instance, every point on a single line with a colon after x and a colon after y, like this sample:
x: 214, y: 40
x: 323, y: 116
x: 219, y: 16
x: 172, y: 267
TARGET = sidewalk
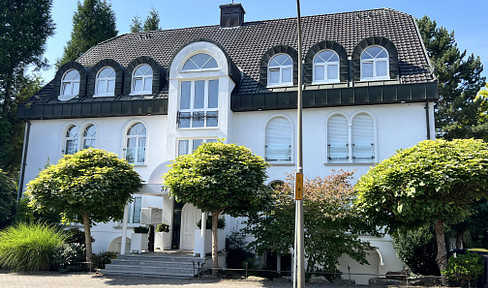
x: 91, y: 280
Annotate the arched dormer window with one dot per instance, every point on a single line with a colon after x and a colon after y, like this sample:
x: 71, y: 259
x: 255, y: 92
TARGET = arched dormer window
x: 89, y: 136
x: 105, y: 82
x: 278, y: 140
x: 142, y: 80
x: 200, y: 61
x: 280, y: 70
x: 70, y: 84
x: 71, y: 140
x: 374, y: 63
x: 135, y: 149
x: 326, y: 67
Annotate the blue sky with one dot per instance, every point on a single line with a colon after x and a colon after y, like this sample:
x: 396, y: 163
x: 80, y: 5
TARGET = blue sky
x: 467, y: 18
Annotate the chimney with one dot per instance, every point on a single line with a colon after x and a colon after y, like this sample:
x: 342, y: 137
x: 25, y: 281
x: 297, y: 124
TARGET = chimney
x: 231, y: 15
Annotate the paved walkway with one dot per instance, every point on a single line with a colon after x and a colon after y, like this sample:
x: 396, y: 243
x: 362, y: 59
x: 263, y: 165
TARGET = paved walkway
x: 91, y: 280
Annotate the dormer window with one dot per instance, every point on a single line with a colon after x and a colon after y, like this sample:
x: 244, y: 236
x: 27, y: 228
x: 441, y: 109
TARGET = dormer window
x: 105, y: 83
x: 326, y: 67
x: 200, y: 61
x: 374, y: 64
x: 280, y: 71
x: 70, y: 85
x: 142, y: 79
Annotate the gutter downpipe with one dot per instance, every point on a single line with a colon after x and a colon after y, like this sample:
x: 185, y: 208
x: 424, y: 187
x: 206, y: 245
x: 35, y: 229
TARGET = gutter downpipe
x: 427, y: 118
x: 24, y: 157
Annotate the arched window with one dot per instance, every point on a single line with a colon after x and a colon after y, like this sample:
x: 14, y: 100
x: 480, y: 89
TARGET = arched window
x: 276, y: 184
x: 374, y: 63
x: 136, y: 144
x: 200, y: 61
x: 70, y: 85
x: 337, y: 139
x: 142, y: 80
x: 105, y: 83
x: 280, y: 70
x: 71, y: 140
x: 363, y: 138
x: 89, y: 136
x: 278, y: 140
x: 326, y: 67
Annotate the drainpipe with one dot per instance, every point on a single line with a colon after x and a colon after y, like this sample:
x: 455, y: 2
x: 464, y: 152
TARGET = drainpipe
x: 427, y: 119
x: 24, y: 157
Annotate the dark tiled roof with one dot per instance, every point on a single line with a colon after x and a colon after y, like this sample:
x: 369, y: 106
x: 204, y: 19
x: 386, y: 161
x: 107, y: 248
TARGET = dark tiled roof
x: 246, y: 44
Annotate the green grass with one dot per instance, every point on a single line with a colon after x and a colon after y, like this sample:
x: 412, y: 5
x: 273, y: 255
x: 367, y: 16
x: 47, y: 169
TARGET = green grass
x: 29, y: 247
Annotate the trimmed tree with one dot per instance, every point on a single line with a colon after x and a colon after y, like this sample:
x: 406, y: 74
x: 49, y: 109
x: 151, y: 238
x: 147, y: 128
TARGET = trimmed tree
x: 432, y: 183
x: 219, y: 178
x: 332, y: 226
x: 90, y: 186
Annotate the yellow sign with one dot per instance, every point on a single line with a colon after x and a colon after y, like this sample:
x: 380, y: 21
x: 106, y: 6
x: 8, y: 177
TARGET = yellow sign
x: 299, y: 186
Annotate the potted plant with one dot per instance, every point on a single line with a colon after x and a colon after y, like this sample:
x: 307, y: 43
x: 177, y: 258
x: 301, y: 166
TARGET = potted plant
x: 161, y: 229
x: 139, y: 239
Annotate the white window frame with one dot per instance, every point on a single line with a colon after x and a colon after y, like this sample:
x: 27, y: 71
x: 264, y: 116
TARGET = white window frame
x: 326, y: 65
x: 191, y: 111
x: 190, y: 146
x: 281, y: 69
x: 72, y: 83
x: 374, y: 63
x: 202, y: 67
x: 89, y: 137
x: 105, y: 81
x: 69, y: 138
x: 350, y: 141
x: 266, y: 144
x: 144, y: 78
x: 132, y: 210
x: 137, y: 148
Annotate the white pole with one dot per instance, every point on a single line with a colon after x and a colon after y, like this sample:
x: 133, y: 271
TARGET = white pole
x: 124, y: 229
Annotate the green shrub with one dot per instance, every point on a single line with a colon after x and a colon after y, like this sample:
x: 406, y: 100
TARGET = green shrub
x: 69, y: 257
x: 29, y: 247
x: 103, y: 258
x: 464, y: 268
x: 220, y: 223
x: 141, y: 229
x: 163, y: 227
x: 77, y: 236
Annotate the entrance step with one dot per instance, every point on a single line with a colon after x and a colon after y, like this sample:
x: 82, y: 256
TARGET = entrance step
x: 157, y: 265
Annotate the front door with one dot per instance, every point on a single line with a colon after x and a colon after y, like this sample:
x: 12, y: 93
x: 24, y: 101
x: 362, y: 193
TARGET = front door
x: 189, y: 217
x: 175, y: 241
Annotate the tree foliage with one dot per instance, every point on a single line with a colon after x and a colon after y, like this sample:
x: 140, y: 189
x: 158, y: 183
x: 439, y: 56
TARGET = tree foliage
x: 150, y: 24
x: 136, y: 25
x: 464, y: 268
x: 93, y: 22
x: 219, y: 178
x: 458, y: 109
x: 26, y: 25
x: 89, y: 186
x: 331, y: 223
x: 8, y: 197
x: 432, y: 183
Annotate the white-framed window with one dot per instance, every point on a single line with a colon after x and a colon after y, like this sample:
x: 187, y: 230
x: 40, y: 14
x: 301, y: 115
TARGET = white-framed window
x: 201, y: 61
x: 89, y: 136
x: 199, y: 104
x: 142, y: 79
x: 135, y: 149
x: 280, y: 70
x: 351, y: 143
x: 72, y: 137
x: 70, y: 84
x: 188, y: 146
x: 278, y: 142
x: 326, y: 67
x: 374, y: 63
x: 105, y: 83
x: 135, y: 210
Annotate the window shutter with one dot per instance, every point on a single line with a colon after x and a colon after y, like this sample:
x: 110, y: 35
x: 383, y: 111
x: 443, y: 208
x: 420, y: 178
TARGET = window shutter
x: 363, y: 138
x: 337, y: 139
x: 278, y: 140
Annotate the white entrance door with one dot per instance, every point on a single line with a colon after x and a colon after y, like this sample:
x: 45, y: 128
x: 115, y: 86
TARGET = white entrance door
x: 189, y: 218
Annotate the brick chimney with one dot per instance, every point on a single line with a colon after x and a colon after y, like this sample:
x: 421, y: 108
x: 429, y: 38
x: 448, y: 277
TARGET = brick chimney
x: 231, y: 15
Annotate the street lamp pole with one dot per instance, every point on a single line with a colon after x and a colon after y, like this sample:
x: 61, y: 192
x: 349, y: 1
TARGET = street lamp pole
x: 299, y: 279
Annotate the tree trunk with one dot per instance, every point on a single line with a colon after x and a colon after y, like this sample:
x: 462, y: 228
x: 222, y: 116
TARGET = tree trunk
x: 88, y: 243
x: 441, y: 257
x: 215, y: 243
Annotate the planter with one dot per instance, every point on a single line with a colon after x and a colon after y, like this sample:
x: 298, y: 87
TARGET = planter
x: 138, y: 242
x: 208, y: 241
x: 161, y: 241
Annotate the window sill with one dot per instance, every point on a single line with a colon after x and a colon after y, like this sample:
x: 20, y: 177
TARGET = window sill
x: 350, y: 163
x: 197, y: 128
x: 375, y: 79
x: 280, y: 163
x: 326, y: 82
x: 280, y: 85
x: 99, y: 96
x: 142, y: 93
x: 66, y: 97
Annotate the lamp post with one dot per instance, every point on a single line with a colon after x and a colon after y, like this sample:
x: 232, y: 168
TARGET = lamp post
x: 299, y: 279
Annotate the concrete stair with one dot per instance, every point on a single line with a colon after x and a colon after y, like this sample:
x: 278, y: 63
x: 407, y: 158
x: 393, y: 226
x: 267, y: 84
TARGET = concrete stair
x: 156, y: 265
